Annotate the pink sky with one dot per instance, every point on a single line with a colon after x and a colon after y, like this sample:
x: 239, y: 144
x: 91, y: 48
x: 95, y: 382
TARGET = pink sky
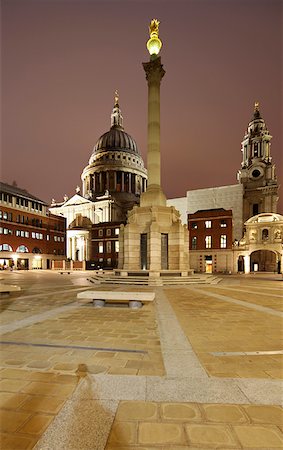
x: 63, y: 59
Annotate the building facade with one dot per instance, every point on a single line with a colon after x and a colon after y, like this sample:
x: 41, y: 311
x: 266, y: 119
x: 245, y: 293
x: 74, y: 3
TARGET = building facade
x: 210, y: 240
x: 31, y: 237
x: 260, y: 249
x: 257, y: 173
x: 112, y: 184
x: 256, y: 194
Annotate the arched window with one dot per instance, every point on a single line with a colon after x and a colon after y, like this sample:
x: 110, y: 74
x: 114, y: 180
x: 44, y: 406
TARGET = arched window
x: 264, y: 234
x: 5, y: 248
x: 22, y: 249
x: 36, y: 250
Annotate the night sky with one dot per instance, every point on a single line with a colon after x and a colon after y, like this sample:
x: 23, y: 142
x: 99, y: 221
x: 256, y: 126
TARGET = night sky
x: 63, y: 59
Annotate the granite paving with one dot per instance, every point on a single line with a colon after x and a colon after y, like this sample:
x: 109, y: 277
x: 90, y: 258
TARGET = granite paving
x: 163, y: 377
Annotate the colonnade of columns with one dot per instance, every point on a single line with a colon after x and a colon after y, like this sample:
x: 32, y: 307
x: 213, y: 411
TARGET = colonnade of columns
x: 77, y: 248
x: 117, y: 181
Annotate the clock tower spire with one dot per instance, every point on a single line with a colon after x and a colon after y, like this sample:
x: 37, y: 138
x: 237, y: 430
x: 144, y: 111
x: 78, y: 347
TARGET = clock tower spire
x: 257, y: 173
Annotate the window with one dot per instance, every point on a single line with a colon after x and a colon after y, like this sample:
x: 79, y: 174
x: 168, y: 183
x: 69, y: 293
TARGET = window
x: 108, y: 232
x: 26, y: 234
x: 100, y: 232
x: 116, y: 246
x: 208, y: 241
x: 22, y: 249
x: 108, y: 247
x: 264, y: 234
x: 194, y: 243
x: 194, y: 225
x: 48, y: 237
x: 36, y: 250
x: 223, y: 224
x: 207, y: 224
x: 5, y: 248
x: 223, y: 241
x: 117, y: 230
x: 255, y: 209
x: 100, y: 247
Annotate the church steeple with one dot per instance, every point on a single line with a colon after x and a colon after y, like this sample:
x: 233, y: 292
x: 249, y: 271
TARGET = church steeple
x: 257, y: 173
x: 256, y: 142
x: 116, y: 116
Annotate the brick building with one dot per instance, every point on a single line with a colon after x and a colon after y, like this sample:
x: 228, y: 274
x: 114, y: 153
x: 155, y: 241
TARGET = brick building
x: 30, y: 237
x: 210, y: 240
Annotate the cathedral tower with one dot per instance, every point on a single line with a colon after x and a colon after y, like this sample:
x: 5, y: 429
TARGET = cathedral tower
x: 257, y: 173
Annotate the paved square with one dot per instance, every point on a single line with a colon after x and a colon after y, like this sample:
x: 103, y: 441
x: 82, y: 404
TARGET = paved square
x: 199, y: 368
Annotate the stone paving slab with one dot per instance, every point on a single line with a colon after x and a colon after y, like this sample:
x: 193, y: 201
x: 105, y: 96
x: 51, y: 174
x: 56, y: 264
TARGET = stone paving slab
x: 140, y: 425
x: 212, y: 325
x: 173, y: 396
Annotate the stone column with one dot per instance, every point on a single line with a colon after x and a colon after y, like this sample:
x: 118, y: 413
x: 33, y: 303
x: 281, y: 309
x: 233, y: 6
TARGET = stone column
x: 247, y: 263
x: 154, y: 73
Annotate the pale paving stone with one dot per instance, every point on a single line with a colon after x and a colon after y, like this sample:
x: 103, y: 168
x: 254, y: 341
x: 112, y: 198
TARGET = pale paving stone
x: 257, y: 436
x: 207, y: 435
x: 265, y: 414
x: 13, y: 385
x: 36, y: 424
x: 40, y: 403
x: 16, y: 442
x: 12, y: 420
x: 136, y: 410
x: 123, y: 433
x: 12, y: 400
x: 160, y: 433
x: 180, y: 411
x: 52, y: 389
x: 224, y: 413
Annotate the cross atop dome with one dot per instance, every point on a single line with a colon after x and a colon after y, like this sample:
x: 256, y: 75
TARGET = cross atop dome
x: 256, y: 111
x: 116, y: 116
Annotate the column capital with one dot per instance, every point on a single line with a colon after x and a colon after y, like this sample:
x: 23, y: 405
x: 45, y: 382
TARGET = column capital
x: 154, y: 70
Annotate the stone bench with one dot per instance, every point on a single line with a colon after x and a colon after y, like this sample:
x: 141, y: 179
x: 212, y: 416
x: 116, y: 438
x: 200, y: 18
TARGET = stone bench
x: 99, y: 298
x: 6, y: 289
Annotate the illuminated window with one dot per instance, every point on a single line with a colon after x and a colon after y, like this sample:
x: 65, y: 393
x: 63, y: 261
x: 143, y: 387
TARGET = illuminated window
x: 223, y: 224
x: 100, y: 247
x: 5, y: 248
x: 116, y: 246
x: 117, y: 230
x: 207, y: 224
x: 194, y: 225
x: 194, y: 243
x: 223, y: 241
x: 22, y: 249
x: 208, y: 241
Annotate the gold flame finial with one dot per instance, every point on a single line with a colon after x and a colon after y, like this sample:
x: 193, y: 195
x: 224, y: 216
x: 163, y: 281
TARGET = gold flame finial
x: 116, y: 97
x: 154, y: 44
x: 154, y: 28
x: 256, y: 106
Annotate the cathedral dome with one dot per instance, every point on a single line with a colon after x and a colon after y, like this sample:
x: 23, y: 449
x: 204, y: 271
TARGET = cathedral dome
x: 116, y: 139
x: 115, y: 165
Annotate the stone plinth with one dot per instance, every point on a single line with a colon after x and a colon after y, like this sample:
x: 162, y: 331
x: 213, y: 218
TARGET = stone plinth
x: 153, y: 221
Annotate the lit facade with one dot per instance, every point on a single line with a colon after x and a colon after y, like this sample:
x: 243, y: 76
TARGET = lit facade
x: 31, y: 237
x: 210, y: 240
x: 112, y: 184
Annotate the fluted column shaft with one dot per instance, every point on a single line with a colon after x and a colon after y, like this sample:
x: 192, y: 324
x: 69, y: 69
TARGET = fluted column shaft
x: 154, y: 73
